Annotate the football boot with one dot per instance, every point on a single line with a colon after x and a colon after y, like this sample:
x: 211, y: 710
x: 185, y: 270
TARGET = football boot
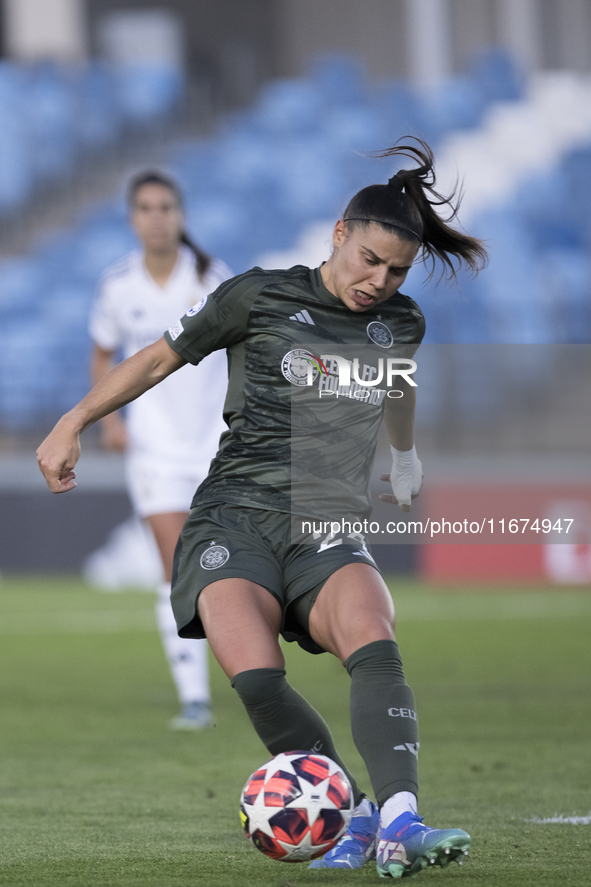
x: 406, y: 846
x: 194, y: 716
x: 358, y: 844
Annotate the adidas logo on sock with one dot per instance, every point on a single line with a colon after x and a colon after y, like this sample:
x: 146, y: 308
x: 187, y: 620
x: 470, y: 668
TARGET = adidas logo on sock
x: 303, y: 317
x: 412, y: 747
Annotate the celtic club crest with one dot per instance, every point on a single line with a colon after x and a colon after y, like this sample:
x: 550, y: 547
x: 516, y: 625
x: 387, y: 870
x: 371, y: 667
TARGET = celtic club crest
x: 300, y: 367
x: 379, y: 334
x: 214, y: 557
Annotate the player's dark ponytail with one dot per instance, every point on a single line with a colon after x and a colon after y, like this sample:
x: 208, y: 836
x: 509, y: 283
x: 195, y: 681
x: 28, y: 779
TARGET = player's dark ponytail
x: 153, y: 177
x: 405, y: 206
x: 202, y: 259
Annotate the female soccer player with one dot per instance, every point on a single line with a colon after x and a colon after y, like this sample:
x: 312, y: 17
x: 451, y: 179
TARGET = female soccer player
x: 241, y: 577
x: 168, y: 448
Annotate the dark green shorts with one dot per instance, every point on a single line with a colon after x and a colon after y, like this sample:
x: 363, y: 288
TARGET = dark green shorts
x: 224, y: 541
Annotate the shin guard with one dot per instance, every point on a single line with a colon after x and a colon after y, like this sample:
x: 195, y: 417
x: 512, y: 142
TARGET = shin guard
x: 283, y: 720
x: 384, y: 719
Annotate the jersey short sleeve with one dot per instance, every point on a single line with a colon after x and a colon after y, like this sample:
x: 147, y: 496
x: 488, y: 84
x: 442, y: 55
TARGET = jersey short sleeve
x: 103, y: 326
x: 218, y: 320
x: 408, y: 319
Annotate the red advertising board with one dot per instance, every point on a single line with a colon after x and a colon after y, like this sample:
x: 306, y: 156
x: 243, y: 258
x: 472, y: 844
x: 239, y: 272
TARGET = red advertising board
x: 534, y: 534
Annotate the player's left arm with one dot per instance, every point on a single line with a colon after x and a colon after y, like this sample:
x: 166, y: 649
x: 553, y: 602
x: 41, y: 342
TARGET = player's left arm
x: 399, y: 416
x: 406, y: 475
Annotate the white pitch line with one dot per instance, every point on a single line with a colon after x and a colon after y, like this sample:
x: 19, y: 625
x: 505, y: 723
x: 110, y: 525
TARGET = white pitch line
x: 562, y: 820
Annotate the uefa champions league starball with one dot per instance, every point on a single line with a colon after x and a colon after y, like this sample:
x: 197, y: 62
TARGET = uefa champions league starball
x: 296, y: 806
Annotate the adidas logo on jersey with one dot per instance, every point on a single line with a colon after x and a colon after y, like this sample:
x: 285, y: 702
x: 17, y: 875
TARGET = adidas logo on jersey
x: 303, y: 317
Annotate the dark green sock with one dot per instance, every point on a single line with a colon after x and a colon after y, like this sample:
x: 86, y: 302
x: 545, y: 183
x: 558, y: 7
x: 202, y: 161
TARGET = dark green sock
x: 383, y: 719
x: 283, y: 719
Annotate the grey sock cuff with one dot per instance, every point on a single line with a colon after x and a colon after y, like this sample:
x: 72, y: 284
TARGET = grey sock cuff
x: 375, y: 654
x: 259, y: 684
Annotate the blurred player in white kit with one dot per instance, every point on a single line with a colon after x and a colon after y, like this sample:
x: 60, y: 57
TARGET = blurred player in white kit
x: 171, y: 433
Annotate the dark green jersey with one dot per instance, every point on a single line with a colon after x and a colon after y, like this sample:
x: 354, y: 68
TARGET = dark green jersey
x: 296, y: 434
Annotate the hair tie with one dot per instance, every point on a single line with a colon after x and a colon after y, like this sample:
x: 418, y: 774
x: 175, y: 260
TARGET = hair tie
x: 397, y: 182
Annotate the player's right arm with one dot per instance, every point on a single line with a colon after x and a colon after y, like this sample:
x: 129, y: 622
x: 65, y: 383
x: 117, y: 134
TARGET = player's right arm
x: 60, y: 450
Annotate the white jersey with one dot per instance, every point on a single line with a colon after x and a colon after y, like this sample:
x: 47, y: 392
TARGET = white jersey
x: 180, y: 420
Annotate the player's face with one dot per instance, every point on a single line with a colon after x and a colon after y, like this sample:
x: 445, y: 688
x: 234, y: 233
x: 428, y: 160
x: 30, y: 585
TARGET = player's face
x: 157, y: 218
x: 367, y: 266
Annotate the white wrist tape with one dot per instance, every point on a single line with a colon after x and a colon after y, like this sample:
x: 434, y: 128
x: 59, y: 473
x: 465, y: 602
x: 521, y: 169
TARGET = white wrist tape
x: 406, y: 476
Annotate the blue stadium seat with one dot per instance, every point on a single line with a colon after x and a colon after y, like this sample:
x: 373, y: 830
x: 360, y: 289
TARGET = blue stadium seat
x: 100, y: 245
x: 577, y: 171
x: 498, y: 75
x: 459, y: 103
x: 101, y: 118
x: 545, y: 204
x: 356, y: 128
x: 399, y: 105
x: 51, y: 113
x: 567, y: 292
x: 146, y: 92
x: 16, y: 157
x: 223, y: 225
x: 246, y: 162
x: 289, y: 106
x: 23, y: 287
x: 340, y: 79
x: 294, y: 158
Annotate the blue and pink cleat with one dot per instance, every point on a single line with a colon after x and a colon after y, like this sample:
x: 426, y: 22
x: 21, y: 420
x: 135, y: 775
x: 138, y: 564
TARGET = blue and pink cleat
x: 358, y: 844
x: 403, y: 848
x: 406, y: 847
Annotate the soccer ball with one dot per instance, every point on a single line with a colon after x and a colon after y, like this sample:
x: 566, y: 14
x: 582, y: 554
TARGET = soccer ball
x: 296, y: 806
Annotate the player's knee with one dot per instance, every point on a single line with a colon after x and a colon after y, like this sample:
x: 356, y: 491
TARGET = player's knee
x: 368, y: 629
x: 376, y: 623
x: 348, y: 635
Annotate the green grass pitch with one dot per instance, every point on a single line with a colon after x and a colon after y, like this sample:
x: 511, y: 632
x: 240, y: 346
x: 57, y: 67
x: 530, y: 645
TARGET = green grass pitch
x: 96, y: 791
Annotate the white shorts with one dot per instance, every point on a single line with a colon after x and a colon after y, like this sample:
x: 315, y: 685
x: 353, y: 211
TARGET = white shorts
x: 156, y: 486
